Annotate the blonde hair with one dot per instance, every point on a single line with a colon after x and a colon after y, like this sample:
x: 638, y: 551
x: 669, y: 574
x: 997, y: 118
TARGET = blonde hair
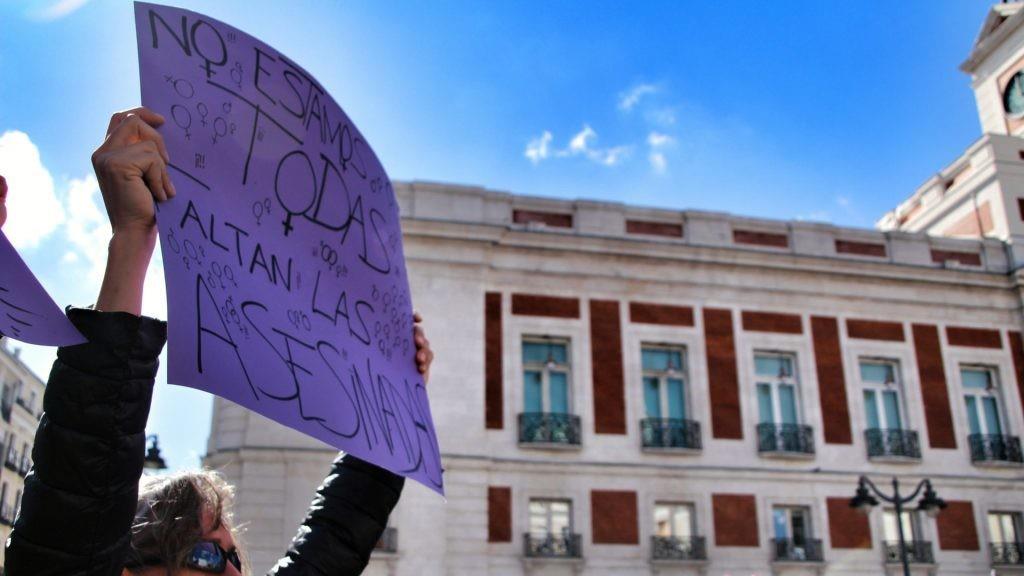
x: 169, y: 517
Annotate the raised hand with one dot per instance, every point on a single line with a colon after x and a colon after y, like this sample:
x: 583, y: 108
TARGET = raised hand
x: 424, y: 355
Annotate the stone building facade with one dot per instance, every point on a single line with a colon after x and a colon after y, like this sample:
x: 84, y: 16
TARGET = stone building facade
x: 21, y: 404
x: 625, y: 390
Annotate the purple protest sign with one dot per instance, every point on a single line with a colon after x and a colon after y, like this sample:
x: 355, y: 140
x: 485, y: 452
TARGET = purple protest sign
x: 27, y: 313
x: 286, y: 282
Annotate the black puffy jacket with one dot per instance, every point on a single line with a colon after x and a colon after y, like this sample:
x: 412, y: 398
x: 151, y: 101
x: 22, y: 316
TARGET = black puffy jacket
x: 80, y: 496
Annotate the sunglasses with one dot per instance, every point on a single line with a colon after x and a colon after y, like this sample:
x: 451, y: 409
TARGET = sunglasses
x: 205, y: 556
x: 211, y: 558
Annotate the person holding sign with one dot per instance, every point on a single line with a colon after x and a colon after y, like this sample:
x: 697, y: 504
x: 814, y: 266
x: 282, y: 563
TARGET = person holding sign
x: 83, y: 512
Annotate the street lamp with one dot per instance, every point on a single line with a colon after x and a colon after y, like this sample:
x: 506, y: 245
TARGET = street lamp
x: 930, y: 504
x: 153, y: 459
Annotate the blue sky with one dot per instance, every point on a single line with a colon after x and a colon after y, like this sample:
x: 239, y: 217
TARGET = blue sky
x: 831, y: 112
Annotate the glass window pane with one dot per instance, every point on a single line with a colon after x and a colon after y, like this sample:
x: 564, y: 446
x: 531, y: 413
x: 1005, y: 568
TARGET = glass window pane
x: 889, y: 526
x: 892, y: 410
x: 787, y: 403
x: 995, y: 527
x: 662, y: 520
x: 683, y: 522
x: 973, y: 420
x: 561, y: 522
x: 975, y: 379
x: 676, y: 399
x: 560, y: 353
x: 876, y: 373
x: 558, y: 382
x: 655, y: 359
x: 799, y: 525
x: 992, y: 423
x: 909, y: 526
x: 780, y: 521
x: 768, y: 365
x: 532, y: 392
x: 764, y: 404
x: 535, y: 353
x: 652, y: 398
x: 871, y: 409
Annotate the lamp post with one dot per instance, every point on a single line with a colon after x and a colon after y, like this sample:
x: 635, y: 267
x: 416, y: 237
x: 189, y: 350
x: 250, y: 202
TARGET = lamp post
x: 153, y: 460
x: 930, y: 504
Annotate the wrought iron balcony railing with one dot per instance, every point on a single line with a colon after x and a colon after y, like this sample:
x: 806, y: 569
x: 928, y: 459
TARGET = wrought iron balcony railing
x: 544, y: 428
x: 675, y: 548
x: 552, y: 546
x: 786, y: 550
x: 884, y: 443
x: 918, y: 552
x: 388, y: 542
x: 1007, y: 553
x: 785, y: 438
x: 995, y: 448
x: 670, y: 433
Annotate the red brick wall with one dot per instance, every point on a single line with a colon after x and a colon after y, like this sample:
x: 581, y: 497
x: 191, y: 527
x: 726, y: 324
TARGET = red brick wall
x: 957, y: 530
x: 875, y: 330
x: 664, y: 314
x: 553, y: 306
x: 1017, y: 352
x: 606, y: 363
x: 552, y: 219
x: 973, y: 337
x: 965, y: 258
x: 938, y: 417
x: 499, y: 514
x: 613, y: 517
x: 772, y: 322
x: 648, y: 228
x: 847, y: 527
x: 831, y: 381
x: 735, y: 517
x: 723, y: 382
x: 494, y: 394
x: 760, y: 238
x: 860, y: 248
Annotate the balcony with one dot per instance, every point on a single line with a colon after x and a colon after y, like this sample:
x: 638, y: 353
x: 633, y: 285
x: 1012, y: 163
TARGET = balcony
x: 673, y: 548
x: 994, y: 448
x: 918, y: 552
x: 549, y: 429
x: 552, y: 546
x: 388, y: 543
x: 785, y: 439
x: 892, y: 444
x: 1007, y: 553
x: 670, y: 434
x: 786, y: 550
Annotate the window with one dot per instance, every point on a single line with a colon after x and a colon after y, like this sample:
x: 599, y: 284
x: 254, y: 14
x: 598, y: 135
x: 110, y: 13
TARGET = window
x: 1004, y: 527
x: 981, y: 396
x: 674, y: 520
x: 911, y: 526
x: 792, y: 524
x: 776, y: 388
x: 664, y: 377
x: 550, y: 518
x: 546, y: 372
x: 882, y: 392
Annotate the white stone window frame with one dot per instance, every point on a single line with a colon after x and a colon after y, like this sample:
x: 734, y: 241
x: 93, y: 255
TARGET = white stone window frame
x: 689, y: 338
x: 549, y: 515
x: 988, y: 507
x: 815, y: 515
x: 665, y: 493
x: 995, y: 390
x: 775, y: 382
x: 808, y: 401
x: 579, y: 518
x: 897, y: 386
x: 918, y: 520
x: 682, y: 373
x: 515, y: 328
x: 1009, y: 399
x: 546, y: 371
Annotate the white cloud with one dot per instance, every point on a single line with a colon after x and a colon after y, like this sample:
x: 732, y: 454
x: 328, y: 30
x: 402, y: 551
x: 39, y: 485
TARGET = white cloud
x: 630, y: 98
x: 537, y: 149
x: 843, y: 201
x: 581, y: 141
x: 658, y: 162
x: 612, y: 156
x: 657, y: 142
x: 32, y: 205
x: 87, y: 227
x: 661, y: 116
x: 50, y: 11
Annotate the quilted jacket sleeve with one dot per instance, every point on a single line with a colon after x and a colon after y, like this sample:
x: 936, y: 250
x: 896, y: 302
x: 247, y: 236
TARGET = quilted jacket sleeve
x: 344, y: 522
x: 79, y: 498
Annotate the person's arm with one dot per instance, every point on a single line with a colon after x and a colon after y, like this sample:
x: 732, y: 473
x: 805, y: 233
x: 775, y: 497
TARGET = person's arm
x: 351, y: 508
x: 80, y: 496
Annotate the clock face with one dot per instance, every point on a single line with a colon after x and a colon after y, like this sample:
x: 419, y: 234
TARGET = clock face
x: 1013, y: 96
